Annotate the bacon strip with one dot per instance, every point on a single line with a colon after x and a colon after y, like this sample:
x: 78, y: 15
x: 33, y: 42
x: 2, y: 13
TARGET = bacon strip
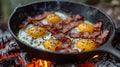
x: 76, y: 35
x: 59, y: 25
x: 81, y: 35
x: 71, y: 26
x: 65, y: 41
x: 97, y: 27
x: 54, y: 30
x: 36, y: 19
x: 68, y: 20
x: 95, y: 34
x: 39, y: 17
x: 101, y: 38
x: 24, y: 25
x: 78, y: 17
x: 59, y: 35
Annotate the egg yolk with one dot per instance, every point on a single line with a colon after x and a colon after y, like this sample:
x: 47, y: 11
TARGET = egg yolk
x: 53, y: 18
x: 86, y: 44
x: 36, y: 31
x: 86, y: 27
x: 52, y: 44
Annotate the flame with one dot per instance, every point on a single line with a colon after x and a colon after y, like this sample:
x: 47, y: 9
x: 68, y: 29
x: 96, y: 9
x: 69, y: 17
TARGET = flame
x: 39, y: 63
x: 96, y: 56
x: 101, y: 55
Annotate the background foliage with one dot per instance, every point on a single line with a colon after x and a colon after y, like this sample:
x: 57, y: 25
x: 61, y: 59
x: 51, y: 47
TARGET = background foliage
x: 7, y: 6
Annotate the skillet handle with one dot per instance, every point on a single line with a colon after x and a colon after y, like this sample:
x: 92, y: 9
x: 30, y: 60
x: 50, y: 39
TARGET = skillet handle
x: 108, y: 48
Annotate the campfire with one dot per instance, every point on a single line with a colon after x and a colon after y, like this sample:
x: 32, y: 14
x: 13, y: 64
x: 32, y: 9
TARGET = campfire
x: 39, y: 63
x: 12, y: 56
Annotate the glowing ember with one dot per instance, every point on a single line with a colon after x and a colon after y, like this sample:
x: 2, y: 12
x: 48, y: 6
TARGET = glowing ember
x: 101, y: 55
x: 86, y: 64
x: 10, y: 56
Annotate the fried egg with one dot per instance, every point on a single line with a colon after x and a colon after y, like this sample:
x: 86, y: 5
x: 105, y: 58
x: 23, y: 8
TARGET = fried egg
x: 52, y: 44
x: 55, y: 18
x: 32, y: 40
x: 86, y: 44
x: 86, y: 26
x: 62, y: 15
x: 36, y: 31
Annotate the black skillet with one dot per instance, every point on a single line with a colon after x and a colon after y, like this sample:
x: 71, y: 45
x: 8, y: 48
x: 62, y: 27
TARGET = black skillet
x: 91, y: 14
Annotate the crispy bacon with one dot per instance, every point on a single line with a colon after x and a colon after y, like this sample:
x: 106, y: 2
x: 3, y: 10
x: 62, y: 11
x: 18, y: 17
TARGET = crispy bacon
x: 54, y: 30
x: 24, y: 25
x: 81, y: 35
x: 71, y: 26
x: 101, y: 38
x: 33, y: 19
x: 95, y: 34
x: 59, y: 35
x: 36, y: 19
x: 78, y: 17
x: 86, y: 35
x: 68, y: 20
x: 39, y: 17
x: 38, y: 24
x: 65, y: 41
x: 76, y: 35
x: 59, y: 25
x: 97, y: 27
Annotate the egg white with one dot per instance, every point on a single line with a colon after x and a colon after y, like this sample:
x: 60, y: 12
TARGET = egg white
x: 62, y: 15
x: 22, y: 35
x: 35, y: 42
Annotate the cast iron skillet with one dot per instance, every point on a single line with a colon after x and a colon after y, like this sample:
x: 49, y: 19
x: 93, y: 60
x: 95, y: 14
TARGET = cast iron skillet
x: 91, y: 14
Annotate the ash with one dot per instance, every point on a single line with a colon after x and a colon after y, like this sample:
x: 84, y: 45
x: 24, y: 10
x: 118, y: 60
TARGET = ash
x: 108, y: 61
